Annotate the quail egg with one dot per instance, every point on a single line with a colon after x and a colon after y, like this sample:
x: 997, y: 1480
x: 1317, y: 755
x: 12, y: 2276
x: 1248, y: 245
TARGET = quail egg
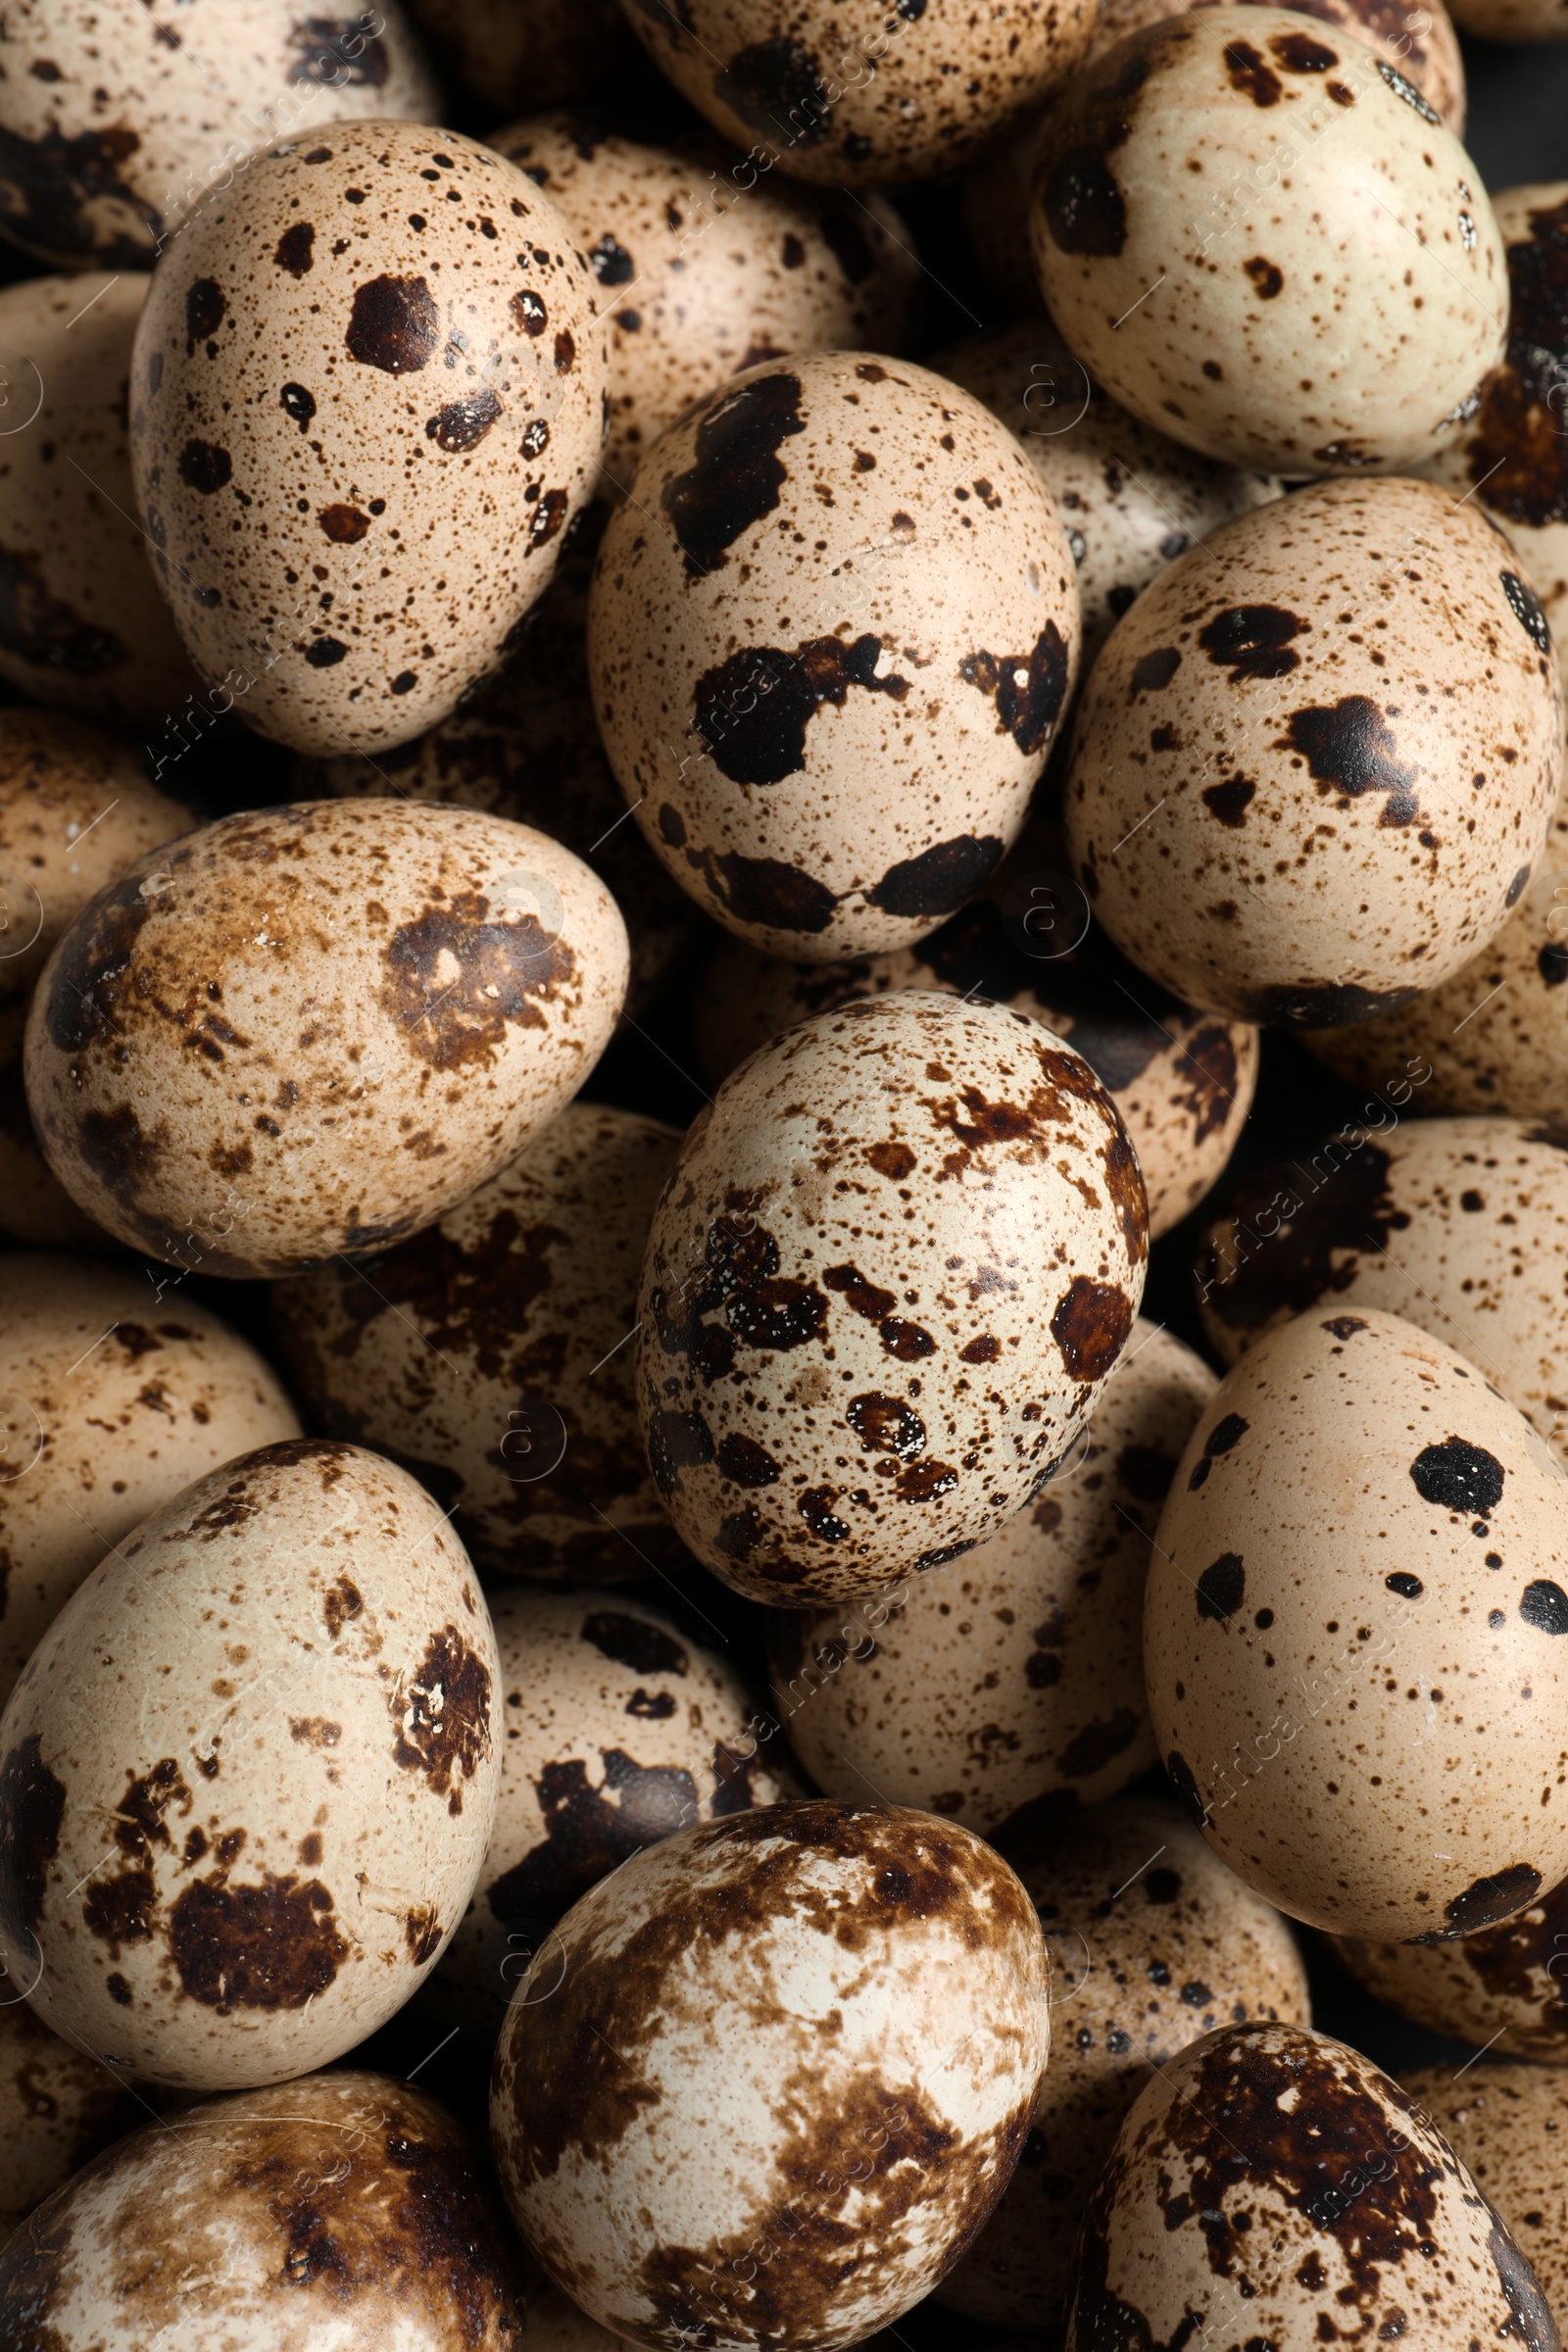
x: 1418, y: 41
x: 1501, y: 1988
x: 59, y: 2105
x: 539, y: 56
x: 1509, y: 2126
x: 1526, y: 20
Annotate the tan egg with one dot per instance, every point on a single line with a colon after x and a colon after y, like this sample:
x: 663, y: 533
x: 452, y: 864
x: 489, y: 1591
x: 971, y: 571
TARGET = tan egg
x: 1153, y: 1943
x: 1509, y: 2126
x: 766, y: 2044
x: 1458, y: 1225
x: 1011, y: 1681
x: 315, y: 1028
x: 384, y: 344
x: 828, y: 682
x: 124, y: 121
x: 116, y: 1391
x: 59, y: 2105
x: 491, y: 1355
x: 1500, y: 1988
x: 701, y: 279
x: 347, y: 2208
x: 894, y: 1266
x: 1270, y: 2179
x: 1355, y: 1601
x: 1261, y: 238
x: 1418, y: 39
x: 1131, y: 499
x: 619, y: 1732
x: 36, y: 1207
x: 81, y: 630
x: 1315, y: 764
x: 524, y: 746
x: 509, y: 57
x: 250, y: 1773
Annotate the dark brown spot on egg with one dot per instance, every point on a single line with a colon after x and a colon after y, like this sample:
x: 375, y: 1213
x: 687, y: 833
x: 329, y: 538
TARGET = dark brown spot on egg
x: 1028, y: 689
x: 1253, y: 641
x: 1458, y: 1477
x: 752, y: 709
x: 939, y: 879
x: 344, y: 525
x: 1268, y: 278
x: 1350, y: 749
x: 886, y: 1425
x: 33, y: 1804
x: 635, y: 1642
x: 441, y: 1716
x: 299, y: 404
x: 1230, y: 801
x: 338, y: 53
x: 1545, y: 1605
x: 205, y: 308
x: 204, y: 466
x: 464, y: 424
x: 1090, y: 1327
x: 458, y: 974
x: 293, y: 251
x: 1151, y: 673
x: 1486, y: 1903
x: 273, y: 1945
x: 775, y: 86
x: 766, y: 890
x: 423, y: 1933
x: 735, y: 476
x: 1249, y: 71
x: 393, y: 325
x: 589, y: 1830
x: 1222, y: 1588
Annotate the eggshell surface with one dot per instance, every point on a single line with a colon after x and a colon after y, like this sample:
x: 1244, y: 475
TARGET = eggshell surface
x: 847, y: 1996
x: 1509, y: 2126
x: 1500, y: 1988
x: 1419, y: 44
x: 249, y: 1775
x: 59, y: 2105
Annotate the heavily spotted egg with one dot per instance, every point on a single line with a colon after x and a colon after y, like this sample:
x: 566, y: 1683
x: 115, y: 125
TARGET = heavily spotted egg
x: 1509, y: 2126
x: 1500, y: 1988
x: 1419, y: 44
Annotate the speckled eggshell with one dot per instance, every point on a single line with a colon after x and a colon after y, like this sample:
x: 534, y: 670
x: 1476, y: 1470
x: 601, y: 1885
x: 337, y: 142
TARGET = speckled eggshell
x: 1013, y: 1677
x: 1260, y: 237
x: 771, y: 2076
x: 1315, y: 764
x: 114, y: 1396
x: 81, y: 630
x: 1458, y: 1225
x: 1352, y: 1627
x: 619, y: 1731
x: 121, y: 121
x: 59, y: 2105
x: 1153, y: 1943
x: 1132, y: 500
x: 1501, y: 1988
x: 828, y: 680
x: 890, y: 1274
x: 1509, y: 2126
x: 490, y: 1354
x: 701, y: 280
x: 250, y: 1772
x: 315, y: 1028
x: 366, y: 399
x: 1418, y: 40
x: 1269, y: 2178
x: 540, y: 55
x: 345, y: 2210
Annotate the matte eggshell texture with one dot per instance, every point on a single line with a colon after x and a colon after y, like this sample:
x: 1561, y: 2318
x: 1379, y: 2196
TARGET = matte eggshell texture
x: 315, y: 1028
x: 830, y: 638
x: 1015, y: 1674
x: 893, y: 1267
x: 250, y: 1773
x: 1509, y: 2126
x: 1352, y: 1626
x: 364, y: 401
x: 701, y: 280
x: 539, y: 56
x: 1419, y: 41
x: 1316, y: 762
x: 1501, y: 1988
x: 1153, y: 1943
x: 126, y: 119
x: 772, y: 2075
x: 1259, y: 236
x: 345, y: 2210
x: 113, y: 1399
x: 59, y: 2105
x: 1269, y: 2178
x: 1458, y: 1225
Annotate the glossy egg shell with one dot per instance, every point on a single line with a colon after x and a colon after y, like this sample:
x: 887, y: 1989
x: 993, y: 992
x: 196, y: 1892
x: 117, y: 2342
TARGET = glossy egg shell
x: 1509, y: 2126
x: 1500, y: 1988
x: 59, y: 2105
x: 1420, y: 43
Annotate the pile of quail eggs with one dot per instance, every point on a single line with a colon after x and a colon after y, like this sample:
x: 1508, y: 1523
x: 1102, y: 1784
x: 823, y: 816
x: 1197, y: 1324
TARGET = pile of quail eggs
x: 783, y: 1179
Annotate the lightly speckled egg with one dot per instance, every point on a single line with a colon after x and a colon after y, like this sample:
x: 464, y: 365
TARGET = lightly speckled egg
x: 701, y: 280
x: 1354, y: 1603
x: 123, y: 120
x: 1417, y: 40
x: 507, y: 57
x: 366, y: 399
x: 1012, y: 1678
x: 1458, y: 1225
x: 80, y: 629
x: 895, y: 1263
x: 619, y: 1730
x: 250, y: 1772
x: 490, y: 1354
x: 112, y: 1398
x: 1152, y: 1943
x: 59, y: 2105
x: 1315, y: 764
x: 347, y: 2209
x: 829, y: 679
x: 1271, y: 2177
x: 1509, y: 2126
x: 1500, y: 1988
x: 317, y: 1027
x: 1260, y: 237
x: 767, y: 2079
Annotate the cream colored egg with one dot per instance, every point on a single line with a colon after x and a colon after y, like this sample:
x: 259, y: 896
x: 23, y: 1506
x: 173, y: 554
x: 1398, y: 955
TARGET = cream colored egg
x: 1353, y: 1623
x: 315, y: 1028
x: 1261, y: 238
x: 701, y: 280
x: 59, y: 2105
x: 1270, y: 2178
x: 1418, y: 39
x: 116, y: 1391
x: 763, y: 2041
x: 1317, y: 761
x: 345, y: 2210
x: 1500, y: 1988
x: 539, y: 56
x: 491, y: 1355
x: 829, y: 680
x: 1012, y: 1679
x: 381, y: 345
x: 250, y: 1773
x: 893, y: 1267
x: 1153, y: 1943
x: 36, y: 1207
x: 1458, y: 1225
x: 1509, y: 2126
